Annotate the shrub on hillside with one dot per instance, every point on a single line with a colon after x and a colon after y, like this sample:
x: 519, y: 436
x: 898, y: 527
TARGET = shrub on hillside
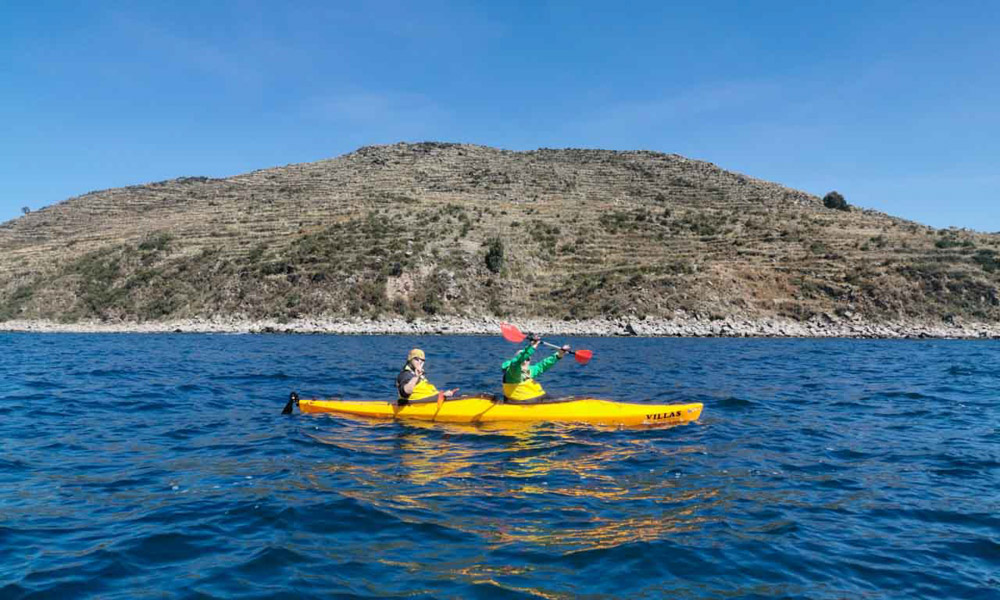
x: 156, y: 241
x: 988, y: 260
x: 836, y: 201
x: 12, y: 307
x: 494, y: 255
x: 953, y: 242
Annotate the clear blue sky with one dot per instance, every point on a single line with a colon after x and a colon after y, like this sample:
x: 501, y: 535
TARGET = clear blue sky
x: 894, y: 104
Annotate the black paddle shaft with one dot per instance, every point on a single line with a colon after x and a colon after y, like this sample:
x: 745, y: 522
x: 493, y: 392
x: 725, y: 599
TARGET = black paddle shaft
x: 573, y: 352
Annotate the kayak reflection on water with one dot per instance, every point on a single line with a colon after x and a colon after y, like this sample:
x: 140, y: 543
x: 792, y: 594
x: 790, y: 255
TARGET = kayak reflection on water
x: 474, y: 475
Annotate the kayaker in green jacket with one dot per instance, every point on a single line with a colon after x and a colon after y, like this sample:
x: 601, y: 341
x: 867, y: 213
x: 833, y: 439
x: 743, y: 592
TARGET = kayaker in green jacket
x: 519, y: 374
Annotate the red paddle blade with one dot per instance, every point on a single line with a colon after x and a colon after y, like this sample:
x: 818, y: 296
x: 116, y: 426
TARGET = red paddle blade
x: 583, y: 356
x: 511, y: 333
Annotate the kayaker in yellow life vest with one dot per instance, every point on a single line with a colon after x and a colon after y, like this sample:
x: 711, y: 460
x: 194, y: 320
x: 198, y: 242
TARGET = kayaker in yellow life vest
x: 411, y: 383
x: 519, y: 374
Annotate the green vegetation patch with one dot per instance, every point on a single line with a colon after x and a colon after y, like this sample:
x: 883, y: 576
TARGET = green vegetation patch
x: 367, y: 296
x: 156, y: 242
x: 99, y: 272
x: 953, y: 242
x: 495, y: 255
x: 11, y: 307
x: 836, y: 201
x: 701, y: 224
x: 988, y: 260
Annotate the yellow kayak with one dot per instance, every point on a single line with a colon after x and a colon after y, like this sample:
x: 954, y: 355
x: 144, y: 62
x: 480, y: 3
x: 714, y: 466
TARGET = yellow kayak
x: 485, y: 409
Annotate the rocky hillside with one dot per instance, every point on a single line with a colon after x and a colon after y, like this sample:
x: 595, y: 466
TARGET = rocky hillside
x: 449, y: 229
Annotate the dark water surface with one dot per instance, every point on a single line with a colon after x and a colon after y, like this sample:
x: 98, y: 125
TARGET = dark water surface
x: 135, y: 466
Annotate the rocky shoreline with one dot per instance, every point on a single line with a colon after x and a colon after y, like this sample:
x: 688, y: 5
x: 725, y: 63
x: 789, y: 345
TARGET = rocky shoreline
x: 682, y: 326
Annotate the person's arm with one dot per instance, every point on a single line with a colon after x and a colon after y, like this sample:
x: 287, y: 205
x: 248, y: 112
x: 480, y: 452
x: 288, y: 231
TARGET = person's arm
x: 543, y: 365
x: 406, y: 381
x: 546, y: 363
x: 409, y: 385
x: 512, y: 368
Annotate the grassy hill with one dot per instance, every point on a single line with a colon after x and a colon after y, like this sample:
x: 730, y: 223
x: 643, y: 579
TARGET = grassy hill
x: 408, y: 229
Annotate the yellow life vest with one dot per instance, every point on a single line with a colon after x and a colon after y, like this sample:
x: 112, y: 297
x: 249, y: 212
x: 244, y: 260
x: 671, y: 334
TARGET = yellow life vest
x: 424, y: 389
x: 527, y: 390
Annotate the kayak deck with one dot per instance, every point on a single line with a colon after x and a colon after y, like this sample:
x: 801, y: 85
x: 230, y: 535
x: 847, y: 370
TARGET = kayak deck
x: 484, y: 409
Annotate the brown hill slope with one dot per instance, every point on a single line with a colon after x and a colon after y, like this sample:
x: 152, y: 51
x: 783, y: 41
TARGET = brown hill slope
x: 407, y: 229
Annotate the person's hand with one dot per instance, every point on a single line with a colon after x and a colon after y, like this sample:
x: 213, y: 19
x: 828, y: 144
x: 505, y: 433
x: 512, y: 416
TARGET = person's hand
x: 562, y: 351
x: 450, y: 393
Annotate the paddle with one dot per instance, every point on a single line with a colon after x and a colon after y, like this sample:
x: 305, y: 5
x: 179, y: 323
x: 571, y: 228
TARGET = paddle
x: 513, y: 334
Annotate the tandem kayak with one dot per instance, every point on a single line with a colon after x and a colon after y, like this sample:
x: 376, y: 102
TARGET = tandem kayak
x: 486, y: 409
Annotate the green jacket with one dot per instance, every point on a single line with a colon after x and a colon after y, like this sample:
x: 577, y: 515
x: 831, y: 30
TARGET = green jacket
x: 512, y: 367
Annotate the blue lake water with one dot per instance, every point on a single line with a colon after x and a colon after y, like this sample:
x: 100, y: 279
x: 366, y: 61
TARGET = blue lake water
x: 158, y: 466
